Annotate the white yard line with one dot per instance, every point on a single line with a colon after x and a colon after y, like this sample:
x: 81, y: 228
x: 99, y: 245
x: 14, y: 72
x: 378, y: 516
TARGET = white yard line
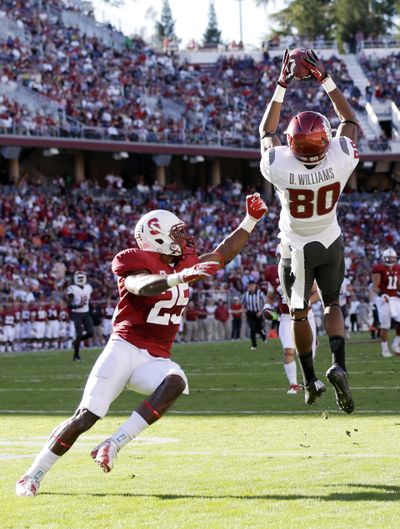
x: 209, y: 412
x: 197, y: 390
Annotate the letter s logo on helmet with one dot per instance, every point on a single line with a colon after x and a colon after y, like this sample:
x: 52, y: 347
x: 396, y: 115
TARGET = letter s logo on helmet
x: 154, y: 226
x: 163, y: 232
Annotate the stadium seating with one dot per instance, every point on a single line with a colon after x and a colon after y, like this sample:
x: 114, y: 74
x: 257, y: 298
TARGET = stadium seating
x: 139, y: 94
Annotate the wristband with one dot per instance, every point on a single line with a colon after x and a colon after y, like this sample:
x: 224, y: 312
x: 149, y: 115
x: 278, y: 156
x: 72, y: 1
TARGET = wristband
x: 328, y: 84
x: 173, y: 279
x: 248, y: 223
x: 279, y: 94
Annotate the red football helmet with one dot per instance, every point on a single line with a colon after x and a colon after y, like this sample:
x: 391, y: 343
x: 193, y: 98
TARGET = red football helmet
x: 309, y: 136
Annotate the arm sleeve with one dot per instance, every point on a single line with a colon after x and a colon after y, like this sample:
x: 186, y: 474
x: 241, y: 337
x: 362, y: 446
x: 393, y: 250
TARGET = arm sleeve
x: 129, y: 261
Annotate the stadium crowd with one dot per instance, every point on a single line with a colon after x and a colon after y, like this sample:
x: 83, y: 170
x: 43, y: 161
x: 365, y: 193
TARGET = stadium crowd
x: 384, y: 76
x: 139, y: 94
x: 46, y: 234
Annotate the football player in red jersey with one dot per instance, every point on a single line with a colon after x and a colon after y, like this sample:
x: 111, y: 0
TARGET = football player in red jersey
x: 153, y: 291
x: 386, y: 283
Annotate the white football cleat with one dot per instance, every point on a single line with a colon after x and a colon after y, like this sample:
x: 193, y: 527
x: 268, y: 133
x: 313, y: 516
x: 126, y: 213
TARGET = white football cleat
x: 105, y: 454
x: 294, y: 389
x: 27, y: 486
x: 386, y: 353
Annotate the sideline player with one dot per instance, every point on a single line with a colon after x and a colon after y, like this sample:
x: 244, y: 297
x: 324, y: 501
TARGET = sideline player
x: 386, y: 284
x: 309, y: 175
x: 153, y: 289
x: 285, y: 331
x: 79, y: 297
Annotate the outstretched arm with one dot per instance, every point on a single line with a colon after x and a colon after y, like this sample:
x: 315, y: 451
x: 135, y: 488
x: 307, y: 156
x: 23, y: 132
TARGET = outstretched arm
x: 233, y: 243
x: 348, y: 126
x: 141, y: 283
x: 144, y: 284
x: 270, y: 119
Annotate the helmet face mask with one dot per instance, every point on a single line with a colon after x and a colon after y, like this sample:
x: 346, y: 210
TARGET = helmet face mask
x: 80, y: 279
x: 163, y: 232
x: 389, y: 257
x: 309, y: 137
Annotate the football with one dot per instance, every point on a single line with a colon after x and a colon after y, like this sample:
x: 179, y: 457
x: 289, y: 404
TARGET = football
x: 298, y: 64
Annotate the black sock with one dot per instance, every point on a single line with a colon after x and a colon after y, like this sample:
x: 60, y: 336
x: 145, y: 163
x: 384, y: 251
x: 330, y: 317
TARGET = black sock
x: 307, y: 366
x: 336, y: 344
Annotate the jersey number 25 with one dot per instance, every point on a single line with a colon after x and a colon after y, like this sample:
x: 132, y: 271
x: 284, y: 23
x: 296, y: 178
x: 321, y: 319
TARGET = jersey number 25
x: 168, y: 311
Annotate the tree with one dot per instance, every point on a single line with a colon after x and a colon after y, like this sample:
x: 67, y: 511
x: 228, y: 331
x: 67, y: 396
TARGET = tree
x: 373, y: 18
x: 340, y: 19
x: 165, y: 28
x: 212, y: 35
x: 310, y: 18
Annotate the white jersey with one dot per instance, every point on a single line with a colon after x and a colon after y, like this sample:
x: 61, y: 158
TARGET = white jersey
x: 81, y: 297
x: 344, y: 291
x: 309, y: 196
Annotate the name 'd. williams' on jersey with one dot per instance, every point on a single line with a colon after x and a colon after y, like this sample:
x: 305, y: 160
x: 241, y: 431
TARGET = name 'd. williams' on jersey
x: 312, y: 178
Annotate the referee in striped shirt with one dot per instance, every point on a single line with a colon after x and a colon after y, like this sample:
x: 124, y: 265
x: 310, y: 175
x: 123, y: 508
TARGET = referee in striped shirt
x: 253, y: 302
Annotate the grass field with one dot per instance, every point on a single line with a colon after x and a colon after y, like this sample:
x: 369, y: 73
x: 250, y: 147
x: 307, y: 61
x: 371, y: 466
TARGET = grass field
x: 237, y: 453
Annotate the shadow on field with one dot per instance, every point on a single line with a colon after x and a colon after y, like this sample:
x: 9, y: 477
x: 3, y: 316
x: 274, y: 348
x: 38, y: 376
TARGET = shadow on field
x: 381, y: 493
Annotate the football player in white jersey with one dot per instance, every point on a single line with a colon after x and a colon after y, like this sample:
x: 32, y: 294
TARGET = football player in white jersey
x: 309, y: 175
x: 79, y: 296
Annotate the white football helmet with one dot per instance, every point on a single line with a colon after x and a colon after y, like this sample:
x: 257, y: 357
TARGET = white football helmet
x: 389, y: 256
x: 80, y: 279
x: 163, y: 232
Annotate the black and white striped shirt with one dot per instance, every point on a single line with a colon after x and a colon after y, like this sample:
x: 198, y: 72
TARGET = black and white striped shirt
x: 253, y: 301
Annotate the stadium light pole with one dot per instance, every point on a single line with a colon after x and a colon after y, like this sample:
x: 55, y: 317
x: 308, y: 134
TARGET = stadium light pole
x: 240, y: 20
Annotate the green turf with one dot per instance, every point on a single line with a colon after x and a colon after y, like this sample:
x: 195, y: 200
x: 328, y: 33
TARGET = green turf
x: 237, y: 453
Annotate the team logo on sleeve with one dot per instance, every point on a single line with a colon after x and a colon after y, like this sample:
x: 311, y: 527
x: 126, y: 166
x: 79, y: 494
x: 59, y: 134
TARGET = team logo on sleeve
x: 154, y: 226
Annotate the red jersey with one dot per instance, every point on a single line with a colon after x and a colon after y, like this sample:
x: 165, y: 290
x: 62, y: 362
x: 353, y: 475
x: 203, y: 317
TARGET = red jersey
x: 9, y: 317
x: 149, y: 322
x: 271, y: 275
x: 236, y: 310
x: 390, y: 278
x: 52, y: 313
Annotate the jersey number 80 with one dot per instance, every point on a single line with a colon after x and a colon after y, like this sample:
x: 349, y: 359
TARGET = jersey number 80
x: 304, y: 203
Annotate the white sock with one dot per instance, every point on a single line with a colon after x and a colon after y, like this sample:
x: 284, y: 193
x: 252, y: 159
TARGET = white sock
x: 385, y: 346
x: 42, y: 464
x: 396, y: 342
x: 291, y: 372
x: 129, y: 429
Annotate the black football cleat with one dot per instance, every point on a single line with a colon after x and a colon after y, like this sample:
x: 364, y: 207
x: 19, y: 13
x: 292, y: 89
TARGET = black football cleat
x: 337, y: 376
x: 313, y: 390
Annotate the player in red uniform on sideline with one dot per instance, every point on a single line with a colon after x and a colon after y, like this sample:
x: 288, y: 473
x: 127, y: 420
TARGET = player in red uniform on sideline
x: 153, y: 289
x: 386, y: 283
